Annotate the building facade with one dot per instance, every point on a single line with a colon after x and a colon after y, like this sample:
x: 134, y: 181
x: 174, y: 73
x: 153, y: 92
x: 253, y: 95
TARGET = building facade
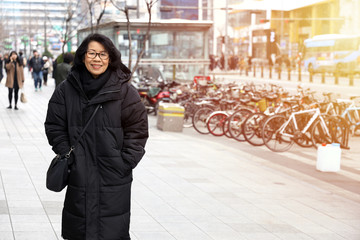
x: 180, y: 39
x: 289, y: 24
x: 24, y: 23
x: 178, y: 47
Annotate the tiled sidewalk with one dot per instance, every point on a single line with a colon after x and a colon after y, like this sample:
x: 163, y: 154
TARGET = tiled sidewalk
x: 185, y: 188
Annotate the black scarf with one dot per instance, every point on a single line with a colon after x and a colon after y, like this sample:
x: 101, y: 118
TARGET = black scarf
x: 92, y: 85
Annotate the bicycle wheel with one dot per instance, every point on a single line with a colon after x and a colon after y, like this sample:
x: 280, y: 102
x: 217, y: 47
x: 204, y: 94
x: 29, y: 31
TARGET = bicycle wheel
x: 190, y: 108
x: 275, y: 140
x: 252, y: 129
x: 215, y: 124
x: 226, y: 128
x: 199, y: 119
x: 342, y: 132
x: 304, y: 140
x: 331, y: 130
x: 320, y: 133
x: 235, y: 123
x: 187, y: 121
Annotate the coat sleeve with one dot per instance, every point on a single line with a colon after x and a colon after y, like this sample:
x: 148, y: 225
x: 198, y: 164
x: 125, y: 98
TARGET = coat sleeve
x: 22, y: 74
x: 135, y: 125
x: 30, y: 63
x: 56, y: 128
x: 9, y: 66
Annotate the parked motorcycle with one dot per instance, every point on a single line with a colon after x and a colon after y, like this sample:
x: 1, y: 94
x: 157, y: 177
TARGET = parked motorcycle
x: 152, y: 94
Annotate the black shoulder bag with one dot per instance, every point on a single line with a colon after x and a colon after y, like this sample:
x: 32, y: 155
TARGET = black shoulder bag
x: 58, y: 173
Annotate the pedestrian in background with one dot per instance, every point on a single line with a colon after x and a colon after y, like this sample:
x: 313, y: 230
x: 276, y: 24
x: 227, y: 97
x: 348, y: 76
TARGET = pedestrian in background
x: 212, y: 62
x: 1, y: 67
x: 47, y: 68
x: 6, y: 60
x: 54, y: 63
x: 97, y: 202
x: 62, y: 69
x: 36, y: 64
x: 22, y: 59
x: 15, y: 78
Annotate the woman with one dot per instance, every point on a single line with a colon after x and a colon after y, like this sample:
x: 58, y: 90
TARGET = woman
x: 97, y: 202
x: 46, y: 69
x: 15, y: 78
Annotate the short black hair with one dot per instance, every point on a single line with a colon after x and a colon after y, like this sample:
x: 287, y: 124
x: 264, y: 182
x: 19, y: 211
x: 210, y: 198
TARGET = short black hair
x: 114, y: 54
x: 68, y: 57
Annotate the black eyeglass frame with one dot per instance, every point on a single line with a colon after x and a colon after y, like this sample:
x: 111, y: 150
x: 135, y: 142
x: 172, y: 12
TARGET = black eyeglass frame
x: 98, y: 54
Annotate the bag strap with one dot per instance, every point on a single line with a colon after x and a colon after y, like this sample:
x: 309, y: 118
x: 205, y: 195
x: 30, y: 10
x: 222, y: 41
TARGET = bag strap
x: 82, y: 132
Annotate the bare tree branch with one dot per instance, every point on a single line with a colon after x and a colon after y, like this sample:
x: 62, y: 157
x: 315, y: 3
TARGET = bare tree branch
x: 90, y: 9
x: 101, y: 13
x: 126, y: 12
x: 149, y: 5
x: 92, y: 6
x: 69, y: 18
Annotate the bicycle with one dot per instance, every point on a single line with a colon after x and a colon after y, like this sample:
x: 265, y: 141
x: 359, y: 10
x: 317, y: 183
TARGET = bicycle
x: 199, y: 119
x: 280, y: 133
x: 217, y: 120
x: 352, y: 114
x: 330, y: 129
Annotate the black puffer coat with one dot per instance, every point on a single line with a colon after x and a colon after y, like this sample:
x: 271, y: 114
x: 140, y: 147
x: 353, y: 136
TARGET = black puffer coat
x: 97, y: 202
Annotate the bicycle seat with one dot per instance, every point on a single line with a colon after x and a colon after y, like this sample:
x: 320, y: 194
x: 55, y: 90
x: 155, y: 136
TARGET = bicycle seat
x: 271, y: 98
x: 230, y: 101
x: 256, y: 99
x: 215, y: 99
x: 244, y: 101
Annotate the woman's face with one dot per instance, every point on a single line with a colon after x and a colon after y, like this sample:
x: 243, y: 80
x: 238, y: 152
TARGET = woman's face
x: 13, y: 56
x: 96, y: 59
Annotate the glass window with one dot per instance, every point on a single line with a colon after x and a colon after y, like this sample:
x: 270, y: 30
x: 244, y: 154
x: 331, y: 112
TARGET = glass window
x: 107, y: 32
x: 123, y: 41
x: 161, y: 45
x: 164, y: 44
x: 189, y: 45
x: 191, y: 14
x: 346, y: 44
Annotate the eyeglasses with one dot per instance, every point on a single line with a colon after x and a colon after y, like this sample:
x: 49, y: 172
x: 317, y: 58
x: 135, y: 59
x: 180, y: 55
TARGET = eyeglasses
x: 93, y: 54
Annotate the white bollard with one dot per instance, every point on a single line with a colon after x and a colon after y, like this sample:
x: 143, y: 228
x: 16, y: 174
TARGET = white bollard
x: 328, y: 158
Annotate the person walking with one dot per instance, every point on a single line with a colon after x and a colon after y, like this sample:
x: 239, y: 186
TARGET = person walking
x: 22, y: 58
x: 1, y: 67
x: 62, y: 69
x: 97, y: 202
x: 15, y: 78
x: 36, y: 64
x: 47, y: 68
x: 6, y: 60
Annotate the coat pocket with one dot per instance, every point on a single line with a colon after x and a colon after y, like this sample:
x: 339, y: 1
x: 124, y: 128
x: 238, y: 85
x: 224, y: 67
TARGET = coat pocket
x: 113, y: 170
x: 75, y: 201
